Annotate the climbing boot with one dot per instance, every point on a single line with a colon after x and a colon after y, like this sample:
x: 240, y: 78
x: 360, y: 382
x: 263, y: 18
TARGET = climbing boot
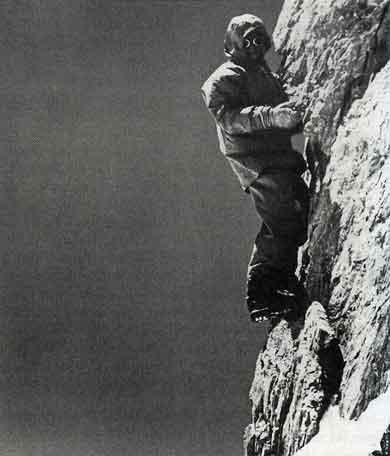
x: 282, y: 304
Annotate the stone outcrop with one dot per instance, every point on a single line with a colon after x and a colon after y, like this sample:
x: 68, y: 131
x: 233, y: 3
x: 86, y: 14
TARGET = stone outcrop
x: 335, y: 63
x: 296, y: 376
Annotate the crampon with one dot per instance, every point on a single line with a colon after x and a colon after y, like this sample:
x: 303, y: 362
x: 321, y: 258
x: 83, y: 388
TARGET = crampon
x: 284, y: 306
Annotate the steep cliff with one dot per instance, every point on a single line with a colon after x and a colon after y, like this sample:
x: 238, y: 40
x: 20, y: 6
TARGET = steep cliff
x: 332, y: 369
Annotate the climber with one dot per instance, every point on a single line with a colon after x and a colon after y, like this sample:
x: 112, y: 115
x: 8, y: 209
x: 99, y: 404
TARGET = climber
x: 255, y: 123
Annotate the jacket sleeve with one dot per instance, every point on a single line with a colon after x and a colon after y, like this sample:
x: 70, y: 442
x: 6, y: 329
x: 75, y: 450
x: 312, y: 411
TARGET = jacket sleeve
x: 222, y: 93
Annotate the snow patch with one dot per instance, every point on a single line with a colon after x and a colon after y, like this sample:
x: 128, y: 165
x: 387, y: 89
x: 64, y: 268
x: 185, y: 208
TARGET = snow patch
x: 351, y: 438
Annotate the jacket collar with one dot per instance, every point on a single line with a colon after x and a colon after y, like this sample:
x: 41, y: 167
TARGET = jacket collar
x: 251, y: 66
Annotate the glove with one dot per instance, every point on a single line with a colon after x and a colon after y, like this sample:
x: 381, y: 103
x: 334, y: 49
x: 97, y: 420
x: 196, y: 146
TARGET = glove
x: 282, y: 116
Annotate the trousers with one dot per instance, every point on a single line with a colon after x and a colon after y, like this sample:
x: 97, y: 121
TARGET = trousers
x: 281, y: 200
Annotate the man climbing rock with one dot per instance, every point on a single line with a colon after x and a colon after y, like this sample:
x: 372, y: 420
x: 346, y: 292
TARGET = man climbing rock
x: 255, y: 123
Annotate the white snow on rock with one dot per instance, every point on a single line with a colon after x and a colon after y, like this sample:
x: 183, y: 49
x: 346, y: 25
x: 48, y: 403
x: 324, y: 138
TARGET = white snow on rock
x: 343, y: 437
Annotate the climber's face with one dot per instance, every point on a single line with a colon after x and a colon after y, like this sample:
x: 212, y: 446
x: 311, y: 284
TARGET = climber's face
x: 254, y: 44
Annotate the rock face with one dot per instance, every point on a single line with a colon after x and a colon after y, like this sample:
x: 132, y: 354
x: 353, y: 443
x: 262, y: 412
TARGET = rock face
x: 335, y: 63
x: 295, y: 378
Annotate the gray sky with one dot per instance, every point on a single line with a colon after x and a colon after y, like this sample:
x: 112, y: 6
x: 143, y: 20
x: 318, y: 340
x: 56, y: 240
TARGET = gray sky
x: 125, y: 235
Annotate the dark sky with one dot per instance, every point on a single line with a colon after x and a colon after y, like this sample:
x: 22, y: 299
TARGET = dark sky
x: 125, y: 235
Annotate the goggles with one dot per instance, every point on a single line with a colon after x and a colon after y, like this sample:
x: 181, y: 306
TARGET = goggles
x: 249, y: 42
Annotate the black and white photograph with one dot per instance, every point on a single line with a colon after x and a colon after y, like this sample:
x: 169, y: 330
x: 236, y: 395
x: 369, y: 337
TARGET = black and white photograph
x: 195, y: 228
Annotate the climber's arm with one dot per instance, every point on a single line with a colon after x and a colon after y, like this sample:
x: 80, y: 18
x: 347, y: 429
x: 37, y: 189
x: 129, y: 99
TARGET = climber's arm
x: 242, y: 120
x: 222, y: 97
x: 223, y: 93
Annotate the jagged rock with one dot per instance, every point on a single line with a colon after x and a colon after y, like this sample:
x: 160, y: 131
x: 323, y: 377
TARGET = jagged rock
x: 336, y: 47
x: 330, y: 49
x: 335, y: 61
x: 385, y: 443
x: 295, y: 379
x: 360, y: 299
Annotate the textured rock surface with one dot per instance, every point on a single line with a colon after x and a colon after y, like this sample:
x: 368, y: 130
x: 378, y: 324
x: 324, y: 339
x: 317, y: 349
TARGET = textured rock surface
x: 360, y: 298
x: 335, y: 55
x: 295, y: 378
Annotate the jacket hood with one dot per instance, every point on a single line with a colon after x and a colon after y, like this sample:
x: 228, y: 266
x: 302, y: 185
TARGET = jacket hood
x: 235, y: 34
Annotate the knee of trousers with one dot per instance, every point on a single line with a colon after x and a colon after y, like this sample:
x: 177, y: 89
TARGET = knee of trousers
x: 277, y: 253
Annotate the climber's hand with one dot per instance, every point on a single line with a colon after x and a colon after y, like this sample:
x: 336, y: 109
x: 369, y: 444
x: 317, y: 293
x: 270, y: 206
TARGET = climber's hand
x: 285, y: 117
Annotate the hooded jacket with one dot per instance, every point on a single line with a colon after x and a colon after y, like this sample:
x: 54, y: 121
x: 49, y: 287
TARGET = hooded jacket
x: 240, y: 95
